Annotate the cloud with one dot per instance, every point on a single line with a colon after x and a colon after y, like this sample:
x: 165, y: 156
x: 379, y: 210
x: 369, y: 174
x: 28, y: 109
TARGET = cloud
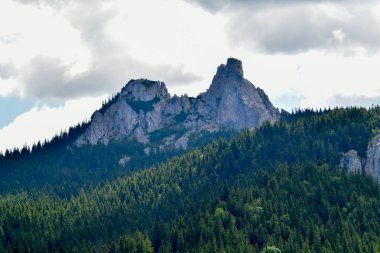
x: 43, y: 122
x: 174, y: 74
x: 52, y: 2
x: 305, y: 27
x: 7, y: 70
x: 295, y: 26
x: 224, y: 5
x: 227, y: 5
x: 355, y: 100
x: 10, y: 38
x: 288, y: 101
x: 50, y: 78
x: 57, y: 4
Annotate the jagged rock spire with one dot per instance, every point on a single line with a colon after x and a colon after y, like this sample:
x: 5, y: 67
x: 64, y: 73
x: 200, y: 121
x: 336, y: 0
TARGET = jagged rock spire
x: 233, y: 69
x: 236, y: 101
x: 143, y: 107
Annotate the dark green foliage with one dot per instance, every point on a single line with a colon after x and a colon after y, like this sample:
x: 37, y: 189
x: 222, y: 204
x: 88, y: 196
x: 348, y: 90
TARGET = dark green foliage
x: 159, y: 135
x: 271, y: 249
x: 64, y: 169
x: 148, y: 83
x: 145, y: 106
x: 106, y: 105
x: 275, y: 189
x: 138, y: 243
x: 180, y: 118
x: 203, y: 138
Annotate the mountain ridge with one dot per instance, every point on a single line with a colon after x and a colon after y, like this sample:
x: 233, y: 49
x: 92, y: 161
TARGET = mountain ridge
x: 143, y: 107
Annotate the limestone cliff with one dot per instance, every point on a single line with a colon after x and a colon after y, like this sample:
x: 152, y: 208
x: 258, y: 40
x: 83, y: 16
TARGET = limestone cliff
x: 143, y: 108
x: 372, y: 167
x: 351, y: 162
x: 369, y: 166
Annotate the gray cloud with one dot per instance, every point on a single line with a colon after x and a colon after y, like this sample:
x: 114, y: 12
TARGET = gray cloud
x: 48, y: 2
x: 9, y: 38
x: 303, y: 28
x: 288, y: 101
x: 356, y: 100
x: 225, y: 5
x: 293, y: 26
x: 53, y: 3
x: 7, y: 70
x: 47, y: 78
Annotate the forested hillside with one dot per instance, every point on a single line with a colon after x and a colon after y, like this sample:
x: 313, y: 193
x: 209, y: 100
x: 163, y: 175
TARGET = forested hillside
x: 62, y: 168
x: 275, y: 189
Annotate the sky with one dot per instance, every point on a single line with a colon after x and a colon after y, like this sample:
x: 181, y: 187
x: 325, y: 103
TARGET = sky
x: 59, y: 59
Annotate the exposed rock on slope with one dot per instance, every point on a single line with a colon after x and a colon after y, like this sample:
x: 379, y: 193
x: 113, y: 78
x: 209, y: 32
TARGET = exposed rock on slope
x: 351, y: 162
x: 136, y: 111
x: 372, y: 167
x: 233, y: 101
x: 369, y: 166
x: 143, y: 108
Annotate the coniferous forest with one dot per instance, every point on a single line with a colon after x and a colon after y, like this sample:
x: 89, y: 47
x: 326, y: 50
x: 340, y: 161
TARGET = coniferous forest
x: 278, y: 188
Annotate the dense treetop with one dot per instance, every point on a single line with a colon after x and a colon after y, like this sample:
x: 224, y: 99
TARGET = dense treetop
x: 274, y: 189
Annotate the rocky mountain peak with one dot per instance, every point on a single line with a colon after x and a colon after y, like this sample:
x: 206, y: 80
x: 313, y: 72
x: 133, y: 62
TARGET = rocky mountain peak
x: 144, y: 110
x: 231, y: 71
x: 145, y: 90
x: 234, y: 101
x: 233, y: 68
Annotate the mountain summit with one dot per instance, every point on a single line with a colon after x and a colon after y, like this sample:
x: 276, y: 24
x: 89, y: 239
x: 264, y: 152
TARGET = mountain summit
x: 145, y: 111
x: 235, y: 101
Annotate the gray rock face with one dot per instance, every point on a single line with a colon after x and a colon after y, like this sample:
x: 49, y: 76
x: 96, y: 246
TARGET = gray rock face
x: 234, y: 102
x: 144, y: 107
x: 351, y: 162
x: 372, y: 167
x: 145, y: 90
x: 124, y: 161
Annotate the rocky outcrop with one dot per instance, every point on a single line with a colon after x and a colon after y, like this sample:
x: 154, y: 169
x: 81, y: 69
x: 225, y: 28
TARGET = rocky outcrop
x: 144, y: 109
x: 234, y: 102
x: 369, y: 166
x: 351, y: 162
x: 372, y: 167
x: 124, y: 161
x: 136, y: 111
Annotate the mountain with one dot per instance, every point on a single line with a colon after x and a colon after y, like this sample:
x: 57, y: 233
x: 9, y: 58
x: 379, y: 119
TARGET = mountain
x: 307, y: 181
x: 144, y: 109
x: 278, y: 188
x: 138, y: 127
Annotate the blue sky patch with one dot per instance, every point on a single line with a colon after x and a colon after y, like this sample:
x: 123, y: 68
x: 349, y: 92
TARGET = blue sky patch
x: 11, y: 107
x: 288, y: 101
